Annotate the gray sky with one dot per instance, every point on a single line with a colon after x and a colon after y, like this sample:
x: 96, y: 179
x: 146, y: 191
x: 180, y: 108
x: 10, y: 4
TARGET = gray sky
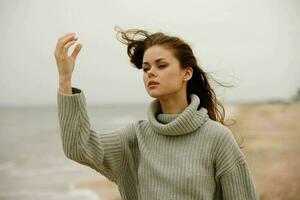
x: 253, y: 44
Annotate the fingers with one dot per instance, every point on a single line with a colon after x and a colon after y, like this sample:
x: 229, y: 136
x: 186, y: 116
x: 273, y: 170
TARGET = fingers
x: 66, y: 47
x: 62, y: 41
x: 76, y: 51
x: 66, y: 35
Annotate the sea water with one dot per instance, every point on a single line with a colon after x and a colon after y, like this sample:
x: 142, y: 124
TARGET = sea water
x: 32, y: 161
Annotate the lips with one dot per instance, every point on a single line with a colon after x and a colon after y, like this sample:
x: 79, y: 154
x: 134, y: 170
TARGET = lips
x: 152, y: 83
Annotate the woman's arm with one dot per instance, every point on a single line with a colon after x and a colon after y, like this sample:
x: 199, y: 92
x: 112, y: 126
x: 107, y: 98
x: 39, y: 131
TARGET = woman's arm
x: 100, y: 151
x: 232, y: 171
x: 238, y: 183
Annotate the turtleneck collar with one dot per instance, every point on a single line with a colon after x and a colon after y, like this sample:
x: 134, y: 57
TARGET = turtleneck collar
x: 177, y: 124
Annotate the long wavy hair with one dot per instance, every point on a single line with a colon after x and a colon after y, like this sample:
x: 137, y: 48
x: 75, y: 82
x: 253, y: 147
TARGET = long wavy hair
x: 198, y: 84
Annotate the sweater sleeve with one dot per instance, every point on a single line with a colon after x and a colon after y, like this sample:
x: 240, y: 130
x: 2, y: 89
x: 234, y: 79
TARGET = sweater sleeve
x: 232, y: 171
x: 100, y: 151
x: 238, y: 183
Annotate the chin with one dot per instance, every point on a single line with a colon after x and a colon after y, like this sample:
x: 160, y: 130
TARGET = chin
x: 154, y: 94
x: 158, y: 94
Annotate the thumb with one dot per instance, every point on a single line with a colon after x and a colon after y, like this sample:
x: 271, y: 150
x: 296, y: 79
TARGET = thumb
x: 76, y: 50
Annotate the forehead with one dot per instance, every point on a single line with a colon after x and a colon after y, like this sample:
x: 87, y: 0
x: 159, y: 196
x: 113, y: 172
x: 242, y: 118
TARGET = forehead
x: 157, y: 53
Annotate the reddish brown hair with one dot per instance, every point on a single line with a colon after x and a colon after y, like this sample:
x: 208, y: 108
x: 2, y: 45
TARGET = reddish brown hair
x: 198, y: 84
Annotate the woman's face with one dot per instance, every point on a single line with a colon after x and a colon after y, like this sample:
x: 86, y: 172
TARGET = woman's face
x: 161, y: 66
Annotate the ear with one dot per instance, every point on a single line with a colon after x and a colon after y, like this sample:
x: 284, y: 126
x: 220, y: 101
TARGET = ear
x: 188, y: 73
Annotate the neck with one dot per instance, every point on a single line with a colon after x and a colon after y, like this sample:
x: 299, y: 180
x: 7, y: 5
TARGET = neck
x: 177, y: 124
x: 173, y: 103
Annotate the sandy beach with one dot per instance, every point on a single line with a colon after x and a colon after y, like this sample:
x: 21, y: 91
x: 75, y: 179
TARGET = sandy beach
x: 270, y: 137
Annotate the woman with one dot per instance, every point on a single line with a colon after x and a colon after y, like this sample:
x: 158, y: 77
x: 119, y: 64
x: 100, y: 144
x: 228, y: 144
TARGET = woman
x: 182, y: 151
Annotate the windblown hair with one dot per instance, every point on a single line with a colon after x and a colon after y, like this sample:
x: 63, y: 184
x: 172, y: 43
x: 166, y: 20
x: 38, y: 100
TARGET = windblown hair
x: 198, y: 84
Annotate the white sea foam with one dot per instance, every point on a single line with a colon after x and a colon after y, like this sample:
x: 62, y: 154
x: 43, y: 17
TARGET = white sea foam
x: 42, y: 171
x: 84, y: 194
x: 74, y: 194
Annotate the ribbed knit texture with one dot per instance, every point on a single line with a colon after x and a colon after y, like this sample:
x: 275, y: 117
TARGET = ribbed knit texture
x: 184, y: 156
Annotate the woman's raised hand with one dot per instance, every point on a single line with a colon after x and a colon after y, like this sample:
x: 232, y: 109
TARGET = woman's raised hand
x: 66, y: 63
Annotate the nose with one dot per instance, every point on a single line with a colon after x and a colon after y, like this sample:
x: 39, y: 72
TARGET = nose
x: 150, y: 72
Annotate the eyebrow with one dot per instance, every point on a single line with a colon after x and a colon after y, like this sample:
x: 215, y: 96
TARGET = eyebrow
x: 157, y: 60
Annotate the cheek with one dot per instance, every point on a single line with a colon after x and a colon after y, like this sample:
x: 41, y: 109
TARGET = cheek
x: 172, y: 80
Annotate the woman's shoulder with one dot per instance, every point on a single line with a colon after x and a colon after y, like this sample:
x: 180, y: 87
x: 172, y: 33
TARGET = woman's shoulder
x: 130, y: 129
x: 219, y: 132
x: 224, y: 140
x: 216, y: 128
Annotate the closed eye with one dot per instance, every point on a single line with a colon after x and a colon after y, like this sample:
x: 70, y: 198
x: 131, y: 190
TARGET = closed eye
x: 160, y: 66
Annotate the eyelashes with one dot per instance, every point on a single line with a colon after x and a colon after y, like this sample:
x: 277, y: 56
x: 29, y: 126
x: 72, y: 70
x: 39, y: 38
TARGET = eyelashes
x: 160, y: 66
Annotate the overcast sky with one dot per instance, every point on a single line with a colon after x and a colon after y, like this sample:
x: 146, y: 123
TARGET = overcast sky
x: 253, y: 45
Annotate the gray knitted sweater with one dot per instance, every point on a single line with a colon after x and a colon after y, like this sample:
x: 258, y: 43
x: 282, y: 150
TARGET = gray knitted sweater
x: 184, y: 156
